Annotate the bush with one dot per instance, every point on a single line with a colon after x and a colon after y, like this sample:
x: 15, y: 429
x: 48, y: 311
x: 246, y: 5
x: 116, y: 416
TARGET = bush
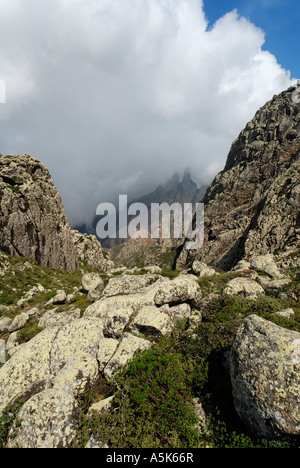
x: 152, y: 407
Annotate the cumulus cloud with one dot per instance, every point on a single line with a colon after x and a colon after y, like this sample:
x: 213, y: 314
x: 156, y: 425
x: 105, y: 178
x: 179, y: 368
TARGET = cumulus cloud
x: 114, y: 96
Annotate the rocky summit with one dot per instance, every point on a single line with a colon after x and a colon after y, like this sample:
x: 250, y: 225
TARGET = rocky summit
x: 204, y: 355
x: 33, y: 222
x: 252, y: 206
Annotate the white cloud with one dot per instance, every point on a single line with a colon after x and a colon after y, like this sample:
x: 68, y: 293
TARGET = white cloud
x: 122, y: 93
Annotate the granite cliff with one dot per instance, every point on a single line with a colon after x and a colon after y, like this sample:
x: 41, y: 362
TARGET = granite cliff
x: 252, y: 206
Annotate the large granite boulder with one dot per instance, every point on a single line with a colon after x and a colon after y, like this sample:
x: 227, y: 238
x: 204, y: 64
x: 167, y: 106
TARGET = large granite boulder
x: 265, y: 375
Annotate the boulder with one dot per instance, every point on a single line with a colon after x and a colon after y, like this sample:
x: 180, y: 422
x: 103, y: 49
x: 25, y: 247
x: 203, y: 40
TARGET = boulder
x: 2, y: 352
x: 244, y: 287
x: 125, y: 351
x: 201, y: 269
x: 52, y: 318
x: 287, y: 313
x: 130, y: 284
x: 5, y: 323
x: 181, y: 289
x: 60, y: 298
x: 19, y: 322
x: 89, y: 250
x: 93, y: 284
x: 152, y: 322
x: 266, y: 264
x: 48, y: 420
x: 265, y: 376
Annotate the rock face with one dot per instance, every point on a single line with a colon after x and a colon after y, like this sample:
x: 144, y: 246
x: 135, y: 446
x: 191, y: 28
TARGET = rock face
x: 252, y: 206
x: 265, y: 375
x: 33, y: 221
x: 90, y: 251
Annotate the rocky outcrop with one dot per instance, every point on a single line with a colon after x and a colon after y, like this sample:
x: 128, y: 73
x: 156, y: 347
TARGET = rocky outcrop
x: 265, y: 375
x: 252, y: 206
x: 33, y: 221
x: 51, y: 371
x: 89, y: 250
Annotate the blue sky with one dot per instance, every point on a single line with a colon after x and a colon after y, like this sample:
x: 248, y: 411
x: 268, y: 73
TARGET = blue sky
x: 279, y: 19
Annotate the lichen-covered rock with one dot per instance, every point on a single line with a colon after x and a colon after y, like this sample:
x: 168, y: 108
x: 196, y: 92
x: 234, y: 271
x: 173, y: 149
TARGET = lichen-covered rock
x: 90, y: 251
x: 184, y: 288
x: 2, y: 352
x: 48, y: 420
x: 266, y: 264
x: 5, y: 323
x: 102, y: 406
x: 124, y: 352
x: 33, y: 221
x: 130, y: 284
x: 201, y: 269
x: 52, y: 318
x: 93, y: 284
x: 151, y: 321
x: 244, y: 287
x: 19, y: 322
x: 28, y: 370
x: 265, y: 376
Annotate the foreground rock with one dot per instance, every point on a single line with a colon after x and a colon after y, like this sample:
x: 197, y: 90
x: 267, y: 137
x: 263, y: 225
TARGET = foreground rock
x: 265, y: 375
x: 244, y: 287
x: 32, y: 217
x: 117, y: 312
x: 37, y: 416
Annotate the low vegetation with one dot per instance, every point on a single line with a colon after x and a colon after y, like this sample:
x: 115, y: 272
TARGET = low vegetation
x: 153, y: 403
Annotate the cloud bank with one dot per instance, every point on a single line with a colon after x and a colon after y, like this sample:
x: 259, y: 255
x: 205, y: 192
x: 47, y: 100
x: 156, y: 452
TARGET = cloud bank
x: 114, y: 96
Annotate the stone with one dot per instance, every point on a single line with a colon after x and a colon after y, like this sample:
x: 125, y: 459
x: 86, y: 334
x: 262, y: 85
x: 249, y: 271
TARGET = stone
x: 5, y: 323
x: 130, y: 284
x: 107, y: 348
x: 287, y: 313
x: 201, y: 269
x: 92, y: 283
x: 52, y: 318
x: 32, y: 214
x: 95, y: 444
x: 60, y: 298
x: 49, y: 420
x: 265, y: 376
x: 2, y: 352
x: 176, y: 291
x: 151, y: 321
x: 12, y: 344
x: 266, y: 264
x: 89, y: 250
x: 243, y: 287
x: 125, y: 351
x: 19, y: 322
x: 102, y: 406
x: 272, y: 287
x: 38, y: 289
x: 180, y: 312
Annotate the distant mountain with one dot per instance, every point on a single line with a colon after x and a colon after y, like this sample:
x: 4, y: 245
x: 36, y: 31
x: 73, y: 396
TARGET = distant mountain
x: 175, y: 190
